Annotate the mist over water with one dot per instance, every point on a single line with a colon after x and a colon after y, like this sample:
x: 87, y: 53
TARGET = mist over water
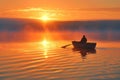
x: 24, y: 57
x: 34, y: 30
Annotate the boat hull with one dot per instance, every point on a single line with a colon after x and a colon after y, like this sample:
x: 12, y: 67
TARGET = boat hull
x: 79, y: 45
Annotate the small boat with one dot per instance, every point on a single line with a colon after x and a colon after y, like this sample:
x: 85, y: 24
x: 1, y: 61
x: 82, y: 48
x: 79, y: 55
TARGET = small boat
x: 78, y: 45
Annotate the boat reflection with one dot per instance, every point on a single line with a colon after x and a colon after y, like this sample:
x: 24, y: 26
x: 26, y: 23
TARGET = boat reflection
x: 85, y: 52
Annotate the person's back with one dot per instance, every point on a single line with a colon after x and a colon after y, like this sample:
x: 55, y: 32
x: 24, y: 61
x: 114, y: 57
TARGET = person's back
x: 83, y: 40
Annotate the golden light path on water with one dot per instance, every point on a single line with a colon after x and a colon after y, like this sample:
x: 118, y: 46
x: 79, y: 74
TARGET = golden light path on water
x: 46, y: 45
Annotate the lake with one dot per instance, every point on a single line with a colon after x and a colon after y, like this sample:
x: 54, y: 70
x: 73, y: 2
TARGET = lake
x: 34, y: 61
x: 31, y: 50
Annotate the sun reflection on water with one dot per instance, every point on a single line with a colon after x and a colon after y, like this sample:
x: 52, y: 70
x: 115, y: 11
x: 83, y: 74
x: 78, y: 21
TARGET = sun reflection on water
x: 45, y: 53
x: 46, y: 45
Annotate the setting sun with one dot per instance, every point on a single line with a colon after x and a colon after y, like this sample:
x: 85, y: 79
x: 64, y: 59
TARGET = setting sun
x: 45, y: 18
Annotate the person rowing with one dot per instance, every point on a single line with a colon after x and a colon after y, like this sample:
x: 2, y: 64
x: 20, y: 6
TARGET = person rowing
x: 83, y: 40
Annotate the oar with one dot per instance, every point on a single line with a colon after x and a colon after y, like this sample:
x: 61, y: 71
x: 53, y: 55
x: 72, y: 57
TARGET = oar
x: 66, y: 45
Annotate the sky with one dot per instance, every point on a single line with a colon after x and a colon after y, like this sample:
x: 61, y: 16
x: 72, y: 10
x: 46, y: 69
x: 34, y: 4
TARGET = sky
x: 61, y: 9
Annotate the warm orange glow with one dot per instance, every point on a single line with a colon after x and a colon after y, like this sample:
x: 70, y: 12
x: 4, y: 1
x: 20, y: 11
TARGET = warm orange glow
x: 74, y: 10
x: 45, y: 43
x: 45, y: 18
x: 45, y: 53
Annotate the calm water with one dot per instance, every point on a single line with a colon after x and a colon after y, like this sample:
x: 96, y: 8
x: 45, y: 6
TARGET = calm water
x: 32, y: 61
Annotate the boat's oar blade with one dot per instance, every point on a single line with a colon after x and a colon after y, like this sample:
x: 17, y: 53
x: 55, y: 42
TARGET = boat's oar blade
x: 66, y: 45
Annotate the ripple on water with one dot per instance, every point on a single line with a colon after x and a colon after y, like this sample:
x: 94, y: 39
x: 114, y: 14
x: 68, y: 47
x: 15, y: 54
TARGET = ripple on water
x: 58, y: 64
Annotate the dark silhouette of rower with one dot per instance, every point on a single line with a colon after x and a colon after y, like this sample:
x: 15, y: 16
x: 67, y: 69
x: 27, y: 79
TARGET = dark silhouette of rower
x: 83, y: 40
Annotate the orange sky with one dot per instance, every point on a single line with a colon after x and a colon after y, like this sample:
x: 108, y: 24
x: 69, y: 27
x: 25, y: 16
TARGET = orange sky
x: 61, y: 9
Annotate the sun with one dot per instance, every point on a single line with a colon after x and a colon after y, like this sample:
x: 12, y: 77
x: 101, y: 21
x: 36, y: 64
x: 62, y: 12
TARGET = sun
x: 45, y: 18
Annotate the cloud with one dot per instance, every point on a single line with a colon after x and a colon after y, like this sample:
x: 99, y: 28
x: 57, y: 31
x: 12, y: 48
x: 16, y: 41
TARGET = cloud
x: 64, y: 14
x: 27, y: 10
x: 95, y: 9
x: 32, y: 13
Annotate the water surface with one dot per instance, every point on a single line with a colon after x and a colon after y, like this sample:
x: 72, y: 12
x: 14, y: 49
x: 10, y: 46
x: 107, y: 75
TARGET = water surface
x: 32, y: 61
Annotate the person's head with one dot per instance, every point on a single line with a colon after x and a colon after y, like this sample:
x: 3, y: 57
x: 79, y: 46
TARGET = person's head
x: 83, y: 35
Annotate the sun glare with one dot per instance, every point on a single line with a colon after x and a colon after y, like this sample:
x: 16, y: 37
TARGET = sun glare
x: 45, y: 43
x: 45, y: 18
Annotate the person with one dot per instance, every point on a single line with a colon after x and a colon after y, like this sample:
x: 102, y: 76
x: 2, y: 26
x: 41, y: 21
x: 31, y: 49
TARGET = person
x: 83, y: 40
